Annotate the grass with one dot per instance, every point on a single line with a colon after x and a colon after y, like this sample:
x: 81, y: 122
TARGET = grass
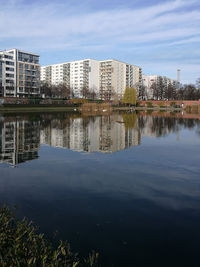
x: 22, y: 245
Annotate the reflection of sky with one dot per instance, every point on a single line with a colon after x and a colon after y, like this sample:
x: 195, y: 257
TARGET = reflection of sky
x: 159, y: 170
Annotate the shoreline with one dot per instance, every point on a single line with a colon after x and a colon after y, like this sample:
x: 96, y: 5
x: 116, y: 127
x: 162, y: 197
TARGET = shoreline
x: 78, y: 108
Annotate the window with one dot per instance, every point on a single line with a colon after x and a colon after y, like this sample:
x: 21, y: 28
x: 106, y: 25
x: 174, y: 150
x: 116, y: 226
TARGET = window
x: 9, y: 75
x: 9, y: 57
x: 10, y: 63
x: 9, y: 69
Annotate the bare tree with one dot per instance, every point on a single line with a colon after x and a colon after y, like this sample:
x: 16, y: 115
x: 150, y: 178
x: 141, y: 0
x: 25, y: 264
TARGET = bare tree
x: 198, y: 83
x: 85, y: 92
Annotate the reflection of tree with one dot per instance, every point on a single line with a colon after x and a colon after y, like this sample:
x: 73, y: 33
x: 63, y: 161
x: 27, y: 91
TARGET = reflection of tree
x: 161, y: 126
x: 129, y: 120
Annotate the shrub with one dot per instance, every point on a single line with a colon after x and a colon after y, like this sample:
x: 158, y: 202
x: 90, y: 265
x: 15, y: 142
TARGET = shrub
x: 161, y: 105
x: 22, y: 245
x: 149, y: 104
x: 173, y: 104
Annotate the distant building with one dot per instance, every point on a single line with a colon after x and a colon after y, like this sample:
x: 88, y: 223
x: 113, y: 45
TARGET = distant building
x: 19, y: 73
x: 107, y: 79
x: 149, y: 80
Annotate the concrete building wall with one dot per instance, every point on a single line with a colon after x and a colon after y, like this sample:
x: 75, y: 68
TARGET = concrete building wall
x: 75, y: 74
x: 94, y: 76
x: 106, y: 78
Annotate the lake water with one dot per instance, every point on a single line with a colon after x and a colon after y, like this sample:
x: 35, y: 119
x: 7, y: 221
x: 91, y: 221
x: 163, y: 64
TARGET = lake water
x: 127, y: 186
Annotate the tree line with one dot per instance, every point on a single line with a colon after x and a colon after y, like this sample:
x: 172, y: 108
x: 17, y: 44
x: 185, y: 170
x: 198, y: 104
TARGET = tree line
x: 63, y: 91
x: 161, y: 91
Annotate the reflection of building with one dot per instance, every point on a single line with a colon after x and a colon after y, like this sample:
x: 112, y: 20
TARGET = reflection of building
x: 19, y: 73
x: 105, y: 134
x: 19, y: 141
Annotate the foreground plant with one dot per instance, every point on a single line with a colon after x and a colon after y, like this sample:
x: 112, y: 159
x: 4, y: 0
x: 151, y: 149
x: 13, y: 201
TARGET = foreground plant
x: 22, y: 245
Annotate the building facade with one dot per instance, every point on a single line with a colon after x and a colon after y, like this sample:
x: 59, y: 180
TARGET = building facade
x: 19, y: 74
x: 106, y: 79
x: 79, y: 75
x: 115, y: 76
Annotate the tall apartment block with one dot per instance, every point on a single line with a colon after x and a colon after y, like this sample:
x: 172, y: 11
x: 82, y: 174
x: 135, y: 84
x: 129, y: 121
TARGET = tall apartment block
x: 149, y: 80
x: 77, y: 75
x: 106, y: 78
x: 19, y: 73
x: 115, y: 76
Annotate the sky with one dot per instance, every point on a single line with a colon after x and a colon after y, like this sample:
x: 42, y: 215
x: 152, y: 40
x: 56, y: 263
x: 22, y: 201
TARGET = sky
x: 160, y: 36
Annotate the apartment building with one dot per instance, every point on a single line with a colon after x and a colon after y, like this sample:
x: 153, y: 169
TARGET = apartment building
x: 149, y: 80
x: 19, y: 73
x: 115, y: 76
x: 107, y: 79
x: 56, y: 74
x: 78, y: 75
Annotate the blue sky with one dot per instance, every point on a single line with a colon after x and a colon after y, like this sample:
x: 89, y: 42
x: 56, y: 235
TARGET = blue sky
x: 160, y: 36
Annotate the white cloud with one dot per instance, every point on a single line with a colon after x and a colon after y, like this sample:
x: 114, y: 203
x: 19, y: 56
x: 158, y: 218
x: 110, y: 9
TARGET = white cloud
x: 62, y: 26
x: 50, y: 21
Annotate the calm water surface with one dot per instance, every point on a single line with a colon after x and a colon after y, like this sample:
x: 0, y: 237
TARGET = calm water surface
x: 125, y: 185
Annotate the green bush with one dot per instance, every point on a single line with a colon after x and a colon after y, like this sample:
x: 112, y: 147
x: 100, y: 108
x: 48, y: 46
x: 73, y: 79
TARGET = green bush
x: 149, y: 104
x: 22, y: 245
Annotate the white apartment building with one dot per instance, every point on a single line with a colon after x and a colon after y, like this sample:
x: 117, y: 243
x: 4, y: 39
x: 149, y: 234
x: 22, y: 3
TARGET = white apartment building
x: 115, y: 76
x: 78, y: 75
x: 107, y: 79
x: 84, y: 74
x: 149, y: 80
x: 56, y: 74
x: 19, y: 73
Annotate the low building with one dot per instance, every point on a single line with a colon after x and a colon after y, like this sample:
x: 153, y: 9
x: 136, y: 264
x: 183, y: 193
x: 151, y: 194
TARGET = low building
x: 19, y: 73
x: 149, y: 81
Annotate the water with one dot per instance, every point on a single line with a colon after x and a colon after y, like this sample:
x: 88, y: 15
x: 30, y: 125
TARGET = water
x: 125, y: 185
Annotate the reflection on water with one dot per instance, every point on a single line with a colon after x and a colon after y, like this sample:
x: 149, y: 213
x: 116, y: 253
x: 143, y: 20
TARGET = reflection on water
x: 137, y: 207
x: 98, y: 134
x: 21, y: 136
x: 19, y: 140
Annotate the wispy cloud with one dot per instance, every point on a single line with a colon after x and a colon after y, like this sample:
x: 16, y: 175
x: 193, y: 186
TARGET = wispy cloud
x: 67, y: 26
